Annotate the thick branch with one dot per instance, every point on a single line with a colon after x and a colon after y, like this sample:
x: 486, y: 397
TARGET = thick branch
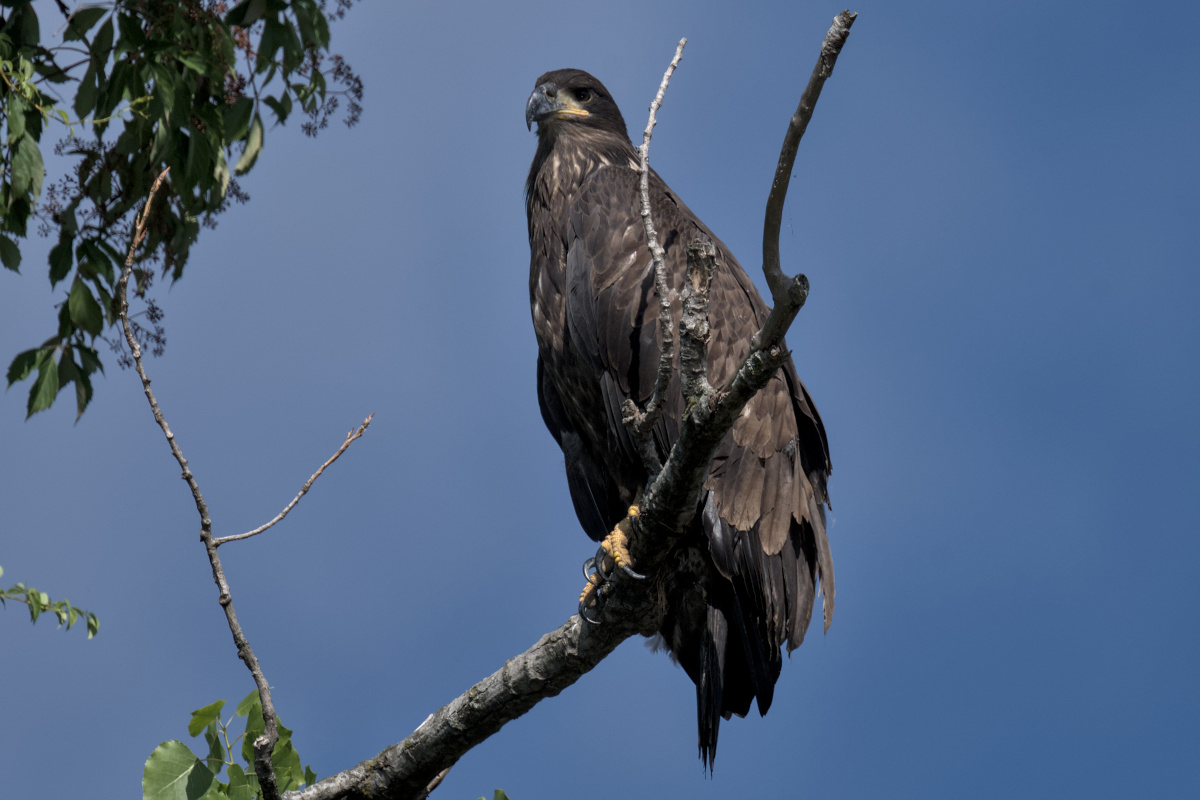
x: 555, y: 662
x: 640, y: 423
x: 264, y: 745
x: 350, y: 437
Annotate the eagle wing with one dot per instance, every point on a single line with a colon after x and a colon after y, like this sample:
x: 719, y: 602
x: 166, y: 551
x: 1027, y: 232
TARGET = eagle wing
x: 764, y: 516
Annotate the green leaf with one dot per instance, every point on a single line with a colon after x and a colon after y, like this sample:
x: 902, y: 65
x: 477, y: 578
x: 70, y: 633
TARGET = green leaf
x: 16, y: 117
x: 241, y: 785
x: 254, y: 143
x: 85, y: 311
x: 10, y: 254
x: 93, y: 623
x: 254, y: 728
x: 45, y: 388
x: 22, y: 365
x: 237, y: 119
x: 286, y: 761
x: 192, y: 61
x: 248, y: 702
x: 310, y: 777
x: 28, y: 169
x: 216, y: 749
x: 201, y: 717
x: 82, y: 22
x: 499, y: 795
x: 282, y: 107
x: 85, y: 97
x: 62, y: 257
x: 174, y: 773
x: 33, y: 598
x: 103, y: 41
x: 132, y: 35
x: 246, y: 13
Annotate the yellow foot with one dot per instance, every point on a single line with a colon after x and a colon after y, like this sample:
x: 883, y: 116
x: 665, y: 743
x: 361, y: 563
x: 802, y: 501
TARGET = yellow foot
x: 613, y: 552
x: 616, y: 544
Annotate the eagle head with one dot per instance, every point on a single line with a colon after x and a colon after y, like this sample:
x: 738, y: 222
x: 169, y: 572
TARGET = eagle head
x: 572, y: 97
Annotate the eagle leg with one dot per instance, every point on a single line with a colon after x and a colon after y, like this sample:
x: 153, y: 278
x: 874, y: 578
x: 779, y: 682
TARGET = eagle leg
x: 616, y: 544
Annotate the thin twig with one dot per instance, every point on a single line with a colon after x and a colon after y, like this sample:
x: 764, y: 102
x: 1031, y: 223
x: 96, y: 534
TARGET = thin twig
x: 264, y: 745
x: 350, y: 437
x: 641, y: 423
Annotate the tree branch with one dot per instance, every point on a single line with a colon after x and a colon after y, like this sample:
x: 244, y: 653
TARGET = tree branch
x: 350, y: 437
x: 642, y: 423
x: 264, y: 745
x: 561, y: 657
x: 786, y: 293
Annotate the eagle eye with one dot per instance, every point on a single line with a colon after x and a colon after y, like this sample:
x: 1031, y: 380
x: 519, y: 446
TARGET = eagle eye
x: 583, y: 95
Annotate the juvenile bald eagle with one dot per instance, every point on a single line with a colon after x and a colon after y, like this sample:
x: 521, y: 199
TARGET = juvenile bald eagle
x: 742, y: 584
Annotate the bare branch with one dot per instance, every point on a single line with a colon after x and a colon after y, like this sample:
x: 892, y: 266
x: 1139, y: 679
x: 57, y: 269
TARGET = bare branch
x: 640, y: 423
x: 264, y: 745
x: 350, y: 437
x: 785, y: 292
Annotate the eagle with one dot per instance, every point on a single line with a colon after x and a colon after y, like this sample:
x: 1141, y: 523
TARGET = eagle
x: 742, y: 582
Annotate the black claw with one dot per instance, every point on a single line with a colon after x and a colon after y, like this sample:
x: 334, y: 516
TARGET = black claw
x: 583, y: 613
x: 633, y: 574
x: 599, y: 559
x: 590, y: 568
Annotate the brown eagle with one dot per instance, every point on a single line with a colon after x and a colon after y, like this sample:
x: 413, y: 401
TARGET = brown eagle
x: 742, y: 583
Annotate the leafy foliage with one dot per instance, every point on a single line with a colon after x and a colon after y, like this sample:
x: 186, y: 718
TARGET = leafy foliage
x: 174, y: 772
x: 40, y: 603
x: 183, y: 84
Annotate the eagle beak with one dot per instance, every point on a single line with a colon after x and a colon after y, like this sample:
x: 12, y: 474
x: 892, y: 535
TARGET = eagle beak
x: 545, y: 102
x: 542, y: 103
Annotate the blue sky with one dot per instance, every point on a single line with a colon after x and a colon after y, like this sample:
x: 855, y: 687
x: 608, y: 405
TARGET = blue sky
x: 997, y: 207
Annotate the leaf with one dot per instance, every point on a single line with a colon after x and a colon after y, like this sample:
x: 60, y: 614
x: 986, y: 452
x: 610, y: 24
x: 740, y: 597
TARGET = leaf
x: 248, y: 702
x: 103, y: 41
x: 62, y: 257
x: 254, y: 728
x: 85, y: 311
x: 85, y: 97
x: 192, y: 61
x: 499, y: 795
x: 237, y: 119
x: 174, y: 773
x: 310, y: 777
x: 93, y: 623
x: 201, y: 717
x: 286, y: 761
x: 241, y: 785
x: 22, y: 365
x: 82, y: 22
x: 216, y: 749
x: 282, y: 107
x: 45, y: 388
x: 10, y: 254
x: 254, y: 143
x: 247, y: 13
x: 27, y: 168
x: 16, y: 117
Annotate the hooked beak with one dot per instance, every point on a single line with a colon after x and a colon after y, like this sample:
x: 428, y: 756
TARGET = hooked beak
x: 545, y: 103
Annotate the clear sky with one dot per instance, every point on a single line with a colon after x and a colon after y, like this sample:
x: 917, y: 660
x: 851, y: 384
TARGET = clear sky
x: 997, y: 205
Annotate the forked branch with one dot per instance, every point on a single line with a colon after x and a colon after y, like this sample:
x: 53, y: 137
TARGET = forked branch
x: 264, y: 745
